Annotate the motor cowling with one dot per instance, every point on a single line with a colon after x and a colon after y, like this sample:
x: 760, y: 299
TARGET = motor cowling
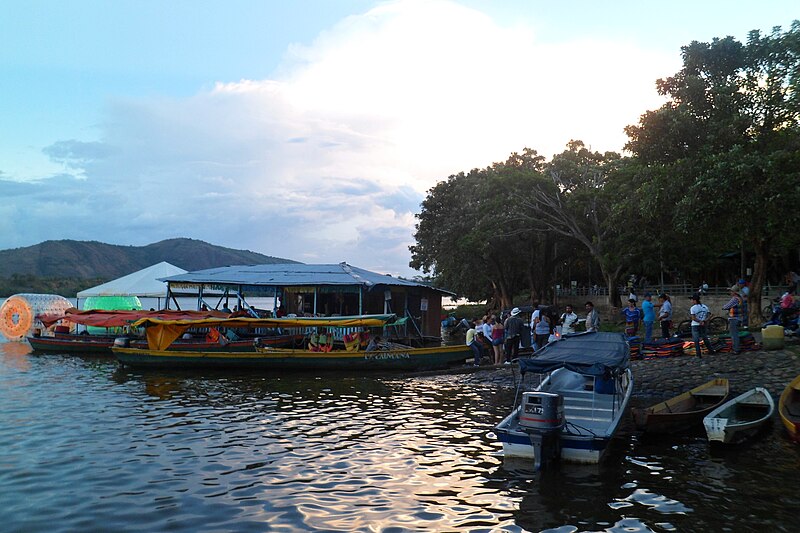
x: 543, y: 411
x: 122, y: 342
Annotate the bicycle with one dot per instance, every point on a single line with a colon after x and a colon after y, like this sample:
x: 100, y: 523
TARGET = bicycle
x: 714, y: 326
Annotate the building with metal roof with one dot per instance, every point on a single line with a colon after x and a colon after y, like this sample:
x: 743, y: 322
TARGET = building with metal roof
x: 319, y: 290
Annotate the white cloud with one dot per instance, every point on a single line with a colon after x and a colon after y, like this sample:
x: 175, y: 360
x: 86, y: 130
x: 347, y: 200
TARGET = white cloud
x: 328, y: 161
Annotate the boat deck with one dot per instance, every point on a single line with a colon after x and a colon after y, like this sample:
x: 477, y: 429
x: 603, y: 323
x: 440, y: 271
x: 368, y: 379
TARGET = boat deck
x: 716, y: 390
x: 588, y: 410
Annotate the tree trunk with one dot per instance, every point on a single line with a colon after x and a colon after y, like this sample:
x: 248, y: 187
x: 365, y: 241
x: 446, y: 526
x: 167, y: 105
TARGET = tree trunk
x: 612, y: 280
x: 761, y: 249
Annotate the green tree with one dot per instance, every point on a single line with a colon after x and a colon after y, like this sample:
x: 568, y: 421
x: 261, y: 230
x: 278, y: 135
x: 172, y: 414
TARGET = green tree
x: 728, y: 139
x: 470, y: 237
x: 578, y: 202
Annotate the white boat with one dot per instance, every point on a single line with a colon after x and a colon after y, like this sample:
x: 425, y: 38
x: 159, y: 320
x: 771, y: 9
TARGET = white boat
x: 740, y: 417
x: 575, y: 411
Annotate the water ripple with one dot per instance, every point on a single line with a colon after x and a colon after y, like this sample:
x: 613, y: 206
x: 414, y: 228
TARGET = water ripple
x: 87, y: 446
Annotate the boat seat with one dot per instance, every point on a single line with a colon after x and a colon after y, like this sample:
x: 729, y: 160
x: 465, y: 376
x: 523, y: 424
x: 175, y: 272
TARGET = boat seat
x: 711, y: 391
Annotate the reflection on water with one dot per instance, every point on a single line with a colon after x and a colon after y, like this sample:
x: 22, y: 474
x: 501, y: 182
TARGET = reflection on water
x: 89, y: 446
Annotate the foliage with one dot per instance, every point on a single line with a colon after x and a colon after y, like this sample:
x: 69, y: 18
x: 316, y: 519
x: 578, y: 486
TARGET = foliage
x: 471, y: 238
x: 28, y: 283
x: 728, y: 141
x: 578, y: 203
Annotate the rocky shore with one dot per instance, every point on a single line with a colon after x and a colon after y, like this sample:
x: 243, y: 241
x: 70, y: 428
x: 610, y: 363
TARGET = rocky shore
x: 662, y: 378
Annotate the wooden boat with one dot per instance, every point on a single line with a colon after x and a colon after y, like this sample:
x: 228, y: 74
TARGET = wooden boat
x: 740, y: 417
x: 577, y: 409
x: 789, y: 408
x: 61, y: 343
x: 391, y: 356
x: 122, y: 320
x: 684, y: 410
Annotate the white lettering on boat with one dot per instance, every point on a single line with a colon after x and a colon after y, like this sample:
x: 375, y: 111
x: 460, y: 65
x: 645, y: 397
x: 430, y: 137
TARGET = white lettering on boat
x: 386, y: 355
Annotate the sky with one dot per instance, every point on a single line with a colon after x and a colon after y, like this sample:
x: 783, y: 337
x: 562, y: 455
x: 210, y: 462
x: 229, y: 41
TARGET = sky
x: 311, y: 129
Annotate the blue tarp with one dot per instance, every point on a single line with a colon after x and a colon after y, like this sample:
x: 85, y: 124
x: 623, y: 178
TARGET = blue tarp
x: 595, y: 354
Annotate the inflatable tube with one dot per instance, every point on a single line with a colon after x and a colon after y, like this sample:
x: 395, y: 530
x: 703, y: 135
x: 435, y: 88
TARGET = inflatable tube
x: 18, y: 313
x: 110, y: 303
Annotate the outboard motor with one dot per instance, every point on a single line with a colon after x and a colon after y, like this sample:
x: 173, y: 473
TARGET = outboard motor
x: 122, y: 342
x: 542, y: 418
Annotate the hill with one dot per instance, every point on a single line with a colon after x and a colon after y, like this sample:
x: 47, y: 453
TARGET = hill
x: 66, y: 263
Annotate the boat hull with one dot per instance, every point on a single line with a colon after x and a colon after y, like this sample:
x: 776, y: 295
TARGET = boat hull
x: 684, y: 411
x: 739, y: 418
x: 789, y: 409
x: 268, y: 359
x: 102, y: 345
x: 576, y: 445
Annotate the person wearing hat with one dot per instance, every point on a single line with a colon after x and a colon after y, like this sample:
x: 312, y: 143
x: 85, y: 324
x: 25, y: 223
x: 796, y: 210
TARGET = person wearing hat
x: 700, y: 315
x: 744, y: 292
x: 734, y: 309
x: 513, y: 327
x: 648, y: 316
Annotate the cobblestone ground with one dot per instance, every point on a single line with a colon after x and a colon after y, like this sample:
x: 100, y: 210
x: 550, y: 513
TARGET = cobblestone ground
x: 666, y: 377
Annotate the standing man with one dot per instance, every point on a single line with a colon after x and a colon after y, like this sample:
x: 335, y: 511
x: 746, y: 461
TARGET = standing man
x: 513, y: 327
x: 475, y: 345
x: 534, y: 319
x: 665, y: 314
x: 568, y: 320
x: 700, y: 315
x: 592, y: 318
x: 734, y: 309
x: 744, y: 292
x: 649, y: 312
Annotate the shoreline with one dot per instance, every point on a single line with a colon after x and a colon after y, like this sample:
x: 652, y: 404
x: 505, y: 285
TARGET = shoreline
x: 662, y: 378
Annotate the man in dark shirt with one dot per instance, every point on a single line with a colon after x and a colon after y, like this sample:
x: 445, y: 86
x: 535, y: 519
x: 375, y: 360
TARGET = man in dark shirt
x: 513, y: 327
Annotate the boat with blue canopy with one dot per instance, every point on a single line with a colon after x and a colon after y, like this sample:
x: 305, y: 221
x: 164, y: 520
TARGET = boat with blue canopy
x: 585, y: 385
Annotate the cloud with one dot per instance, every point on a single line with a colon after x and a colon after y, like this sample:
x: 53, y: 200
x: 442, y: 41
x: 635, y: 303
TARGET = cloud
x: 329, y: 160
x: 76, y: 154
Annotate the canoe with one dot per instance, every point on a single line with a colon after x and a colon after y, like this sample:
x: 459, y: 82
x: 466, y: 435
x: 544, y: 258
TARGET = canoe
x: 789, y: 408
x: 740, y: 417
x: 684, y: 410
x: 396, y: 358
x: 575, y: 412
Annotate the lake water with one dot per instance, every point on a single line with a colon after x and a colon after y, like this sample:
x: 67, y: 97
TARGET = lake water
x: 87, y: 446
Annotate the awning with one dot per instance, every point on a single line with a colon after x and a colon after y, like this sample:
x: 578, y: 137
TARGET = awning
x: 115, y: 319
x: 163, y: 332
x: 595, y: 353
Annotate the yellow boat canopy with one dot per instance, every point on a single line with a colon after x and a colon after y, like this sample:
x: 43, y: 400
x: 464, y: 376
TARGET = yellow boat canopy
x: 161, y: 333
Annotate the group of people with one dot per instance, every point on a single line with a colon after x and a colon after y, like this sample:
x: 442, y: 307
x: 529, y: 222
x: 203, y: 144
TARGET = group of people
x: 736, y: 310
x: 501, y: 338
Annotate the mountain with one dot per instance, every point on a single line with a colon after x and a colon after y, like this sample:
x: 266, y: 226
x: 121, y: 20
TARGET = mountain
x: 97, y: 260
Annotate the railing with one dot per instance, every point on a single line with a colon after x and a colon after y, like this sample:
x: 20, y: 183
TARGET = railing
x: 681, y: 289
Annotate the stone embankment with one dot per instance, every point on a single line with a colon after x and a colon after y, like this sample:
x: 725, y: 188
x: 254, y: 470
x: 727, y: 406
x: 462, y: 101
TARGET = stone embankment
x: 662, y: 378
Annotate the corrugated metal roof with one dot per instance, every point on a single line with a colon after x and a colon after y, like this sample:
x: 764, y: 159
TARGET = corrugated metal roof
x: 287, y: 275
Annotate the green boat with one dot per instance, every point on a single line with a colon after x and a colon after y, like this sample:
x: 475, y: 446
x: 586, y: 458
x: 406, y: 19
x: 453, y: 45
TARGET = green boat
x: 342, y: 356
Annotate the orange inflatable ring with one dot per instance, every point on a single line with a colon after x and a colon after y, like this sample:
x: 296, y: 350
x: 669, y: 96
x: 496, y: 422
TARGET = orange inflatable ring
x: 16, y: 319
